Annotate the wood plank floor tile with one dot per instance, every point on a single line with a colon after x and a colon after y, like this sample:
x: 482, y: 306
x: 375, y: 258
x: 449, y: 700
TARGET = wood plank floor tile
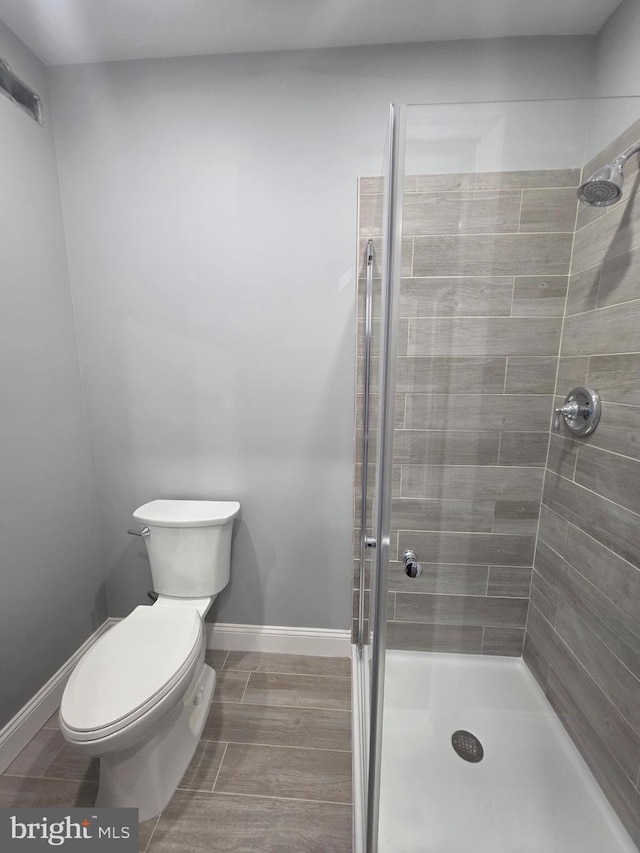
x: 215, y: 658
x: 287, y: 782
x: 230, y: 685
x: 37, y: 754
x: 69, y: 764
x: 17, y: 791
x: 307, y: 691
x: 294, y: 664
x: 273, y: 725
x: 204, y: 767
x: 145, y: 831
x: 227, y: 823
x: 277, y: 771
x: 53, y: 721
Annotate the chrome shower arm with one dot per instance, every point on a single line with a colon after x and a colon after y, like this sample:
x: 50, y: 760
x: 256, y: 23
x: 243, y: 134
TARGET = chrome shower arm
x: 621, y: 159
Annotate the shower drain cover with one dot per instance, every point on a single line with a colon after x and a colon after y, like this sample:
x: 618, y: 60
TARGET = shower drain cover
x: 467, y: 746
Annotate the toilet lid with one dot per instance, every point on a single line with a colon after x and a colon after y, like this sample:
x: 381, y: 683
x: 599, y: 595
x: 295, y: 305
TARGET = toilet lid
x: 131, y: 664
x: 168, y: 513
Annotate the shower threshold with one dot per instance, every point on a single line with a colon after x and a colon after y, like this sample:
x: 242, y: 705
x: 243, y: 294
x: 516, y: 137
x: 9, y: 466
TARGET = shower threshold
x: 531, y: 792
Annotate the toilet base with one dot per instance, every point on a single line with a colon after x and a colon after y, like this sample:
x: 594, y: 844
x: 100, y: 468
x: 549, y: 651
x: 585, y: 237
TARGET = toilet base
x: 146, y: 776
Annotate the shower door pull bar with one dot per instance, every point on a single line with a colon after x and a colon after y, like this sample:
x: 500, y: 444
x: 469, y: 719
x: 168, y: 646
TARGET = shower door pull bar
x: 365, y: 540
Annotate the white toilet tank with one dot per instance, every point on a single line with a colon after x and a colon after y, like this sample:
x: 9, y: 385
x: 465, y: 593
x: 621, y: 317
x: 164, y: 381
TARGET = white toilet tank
x: 189, y: 545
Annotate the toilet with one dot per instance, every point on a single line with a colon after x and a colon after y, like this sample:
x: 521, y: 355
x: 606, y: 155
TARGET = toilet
x: 139, y: 698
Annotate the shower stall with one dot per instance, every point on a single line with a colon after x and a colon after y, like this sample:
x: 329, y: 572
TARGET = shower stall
x: 496, y: 619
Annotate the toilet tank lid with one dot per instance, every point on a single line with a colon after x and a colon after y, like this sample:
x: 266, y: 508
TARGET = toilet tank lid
x: 180, y: 513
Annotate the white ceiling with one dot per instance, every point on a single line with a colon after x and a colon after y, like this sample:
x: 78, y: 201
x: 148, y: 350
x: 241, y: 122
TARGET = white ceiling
x: 62, y: 32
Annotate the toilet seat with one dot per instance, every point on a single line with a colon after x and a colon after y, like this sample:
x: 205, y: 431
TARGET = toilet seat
x: 130, y: 669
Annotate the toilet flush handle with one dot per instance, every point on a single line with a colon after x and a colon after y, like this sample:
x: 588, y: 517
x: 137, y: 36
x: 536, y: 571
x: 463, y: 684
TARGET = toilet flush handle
x: 144, y: 532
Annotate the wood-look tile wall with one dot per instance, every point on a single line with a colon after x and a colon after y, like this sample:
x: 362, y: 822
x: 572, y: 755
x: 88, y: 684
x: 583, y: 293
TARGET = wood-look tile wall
x: 485, y: 270
x: 583, y: 634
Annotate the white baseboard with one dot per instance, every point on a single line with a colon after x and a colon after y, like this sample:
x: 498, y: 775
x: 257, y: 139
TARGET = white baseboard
x: 324, y: 642
x: 29, y: 720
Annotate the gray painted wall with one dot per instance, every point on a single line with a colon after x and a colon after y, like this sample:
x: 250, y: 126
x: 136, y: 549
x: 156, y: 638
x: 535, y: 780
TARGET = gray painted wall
x: 617, y: 77
x: 210, y: 212
x: 617, y: 60
x: 51, y: 595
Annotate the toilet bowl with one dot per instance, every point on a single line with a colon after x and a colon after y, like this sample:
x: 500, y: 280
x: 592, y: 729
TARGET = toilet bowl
x: 139, y: 698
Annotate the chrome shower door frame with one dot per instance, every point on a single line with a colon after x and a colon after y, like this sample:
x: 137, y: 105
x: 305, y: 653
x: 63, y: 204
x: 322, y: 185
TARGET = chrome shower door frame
x: 392, y: 252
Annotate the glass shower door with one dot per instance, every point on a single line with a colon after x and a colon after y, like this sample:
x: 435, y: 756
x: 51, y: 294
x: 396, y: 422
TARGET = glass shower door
x: 392, y: 254
x: 379, y: 250
x: 482, y: 218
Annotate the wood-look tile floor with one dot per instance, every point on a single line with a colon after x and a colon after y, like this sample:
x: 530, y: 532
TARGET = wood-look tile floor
x: 271, y: 774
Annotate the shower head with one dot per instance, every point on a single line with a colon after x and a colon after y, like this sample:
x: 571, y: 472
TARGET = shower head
x: 604, y: 187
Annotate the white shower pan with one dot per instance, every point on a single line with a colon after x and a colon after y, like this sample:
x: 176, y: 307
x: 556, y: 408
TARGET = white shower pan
x: 530, y: 793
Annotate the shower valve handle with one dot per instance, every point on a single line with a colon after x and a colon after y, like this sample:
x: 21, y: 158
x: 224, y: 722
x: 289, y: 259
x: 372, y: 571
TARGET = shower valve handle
x: 569, y: 411
x: 411, y: 565
x: 580, y: 410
